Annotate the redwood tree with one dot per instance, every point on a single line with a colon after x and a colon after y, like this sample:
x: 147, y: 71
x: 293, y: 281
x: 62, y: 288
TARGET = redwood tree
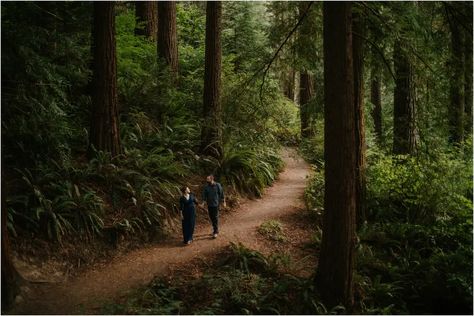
x: 335, y: 268
x: 376, y: 100
x: 167, y: 38
x: 306, y: 94
x: 211, y: 128
x: 11, y: 279
x: 468, y: 76
x: 146, y: 15
x: 456, y: 108
x: 375, y: 86
x: 306, y: 79
x: 104, y: 132
x: 358, y: 52
x: 404, y: 133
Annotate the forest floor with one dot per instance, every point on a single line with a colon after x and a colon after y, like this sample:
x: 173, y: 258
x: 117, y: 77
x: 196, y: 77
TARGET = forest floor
x: 87, y: 291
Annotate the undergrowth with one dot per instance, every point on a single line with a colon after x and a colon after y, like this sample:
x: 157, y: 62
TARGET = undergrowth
x: 243, y: 282
x: 415, y: 251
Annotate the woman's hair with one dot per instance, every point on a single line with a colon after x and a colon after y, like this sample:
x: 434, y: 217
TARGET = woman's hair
x: 183, y: 189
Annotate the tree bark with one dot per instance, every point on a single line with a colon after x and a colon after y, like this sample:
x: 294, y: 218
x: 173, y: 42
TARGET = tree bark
x: 211, y: 134
x: 306, y: 94
x: 456, y: 110
x: 104, y: 132
x: 167, y: 38
x: 10, y: 277
x: 146, y: 13
x: 376, y: 100
x: 404, y: 140
x: 468, y: 73
x: 290, y: 85
x: 358, y: 55
x: 335, y: 269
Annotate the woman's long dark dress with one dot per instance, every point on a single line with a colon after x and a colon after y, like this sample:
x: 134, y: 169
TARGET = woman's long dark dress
x: 189, y: 216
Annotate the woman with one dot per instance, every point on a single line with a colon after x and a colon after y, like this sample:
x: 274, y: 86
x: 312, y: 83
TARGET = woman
x: 188, y: 214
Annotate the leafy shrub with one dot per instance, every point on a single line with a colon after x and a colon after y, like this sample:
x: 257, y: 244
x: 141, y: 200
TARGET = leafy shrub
x: 273, y: 230
x: 246, y: 168
x: 245, y: 282
x: 314, y: 192
x: 418, y: 189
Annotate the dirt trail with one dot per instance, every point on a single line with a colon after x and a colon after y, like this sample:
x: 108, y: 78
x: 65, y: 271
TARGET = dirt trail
x: 87, y: 291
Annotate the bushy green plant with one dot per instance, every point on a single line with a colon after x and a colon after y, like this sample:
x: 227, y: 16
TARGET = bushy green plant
x: 314, y: 192
x: 273, y: 230
x: 418, y: 189
x: 246, y: 282
x: 248, y: 169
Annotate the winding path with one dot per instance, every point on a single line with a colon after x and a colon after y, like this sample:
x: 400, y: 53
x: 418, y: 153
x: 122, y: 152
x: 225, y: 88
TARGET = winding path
x: 87, y: 291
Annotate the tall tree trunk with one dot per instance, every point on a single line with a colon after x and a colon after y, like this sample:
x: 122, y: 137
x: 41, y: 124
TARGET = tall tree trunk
x: 358, y: 55
x: 376, y: 100
x: 404, y: 103
x: 104, y: 132
x: 290, y: 85
x: 456, y: 109
x: 167, y: 38
x: 306, y: 94
x: 334, y: 275
x: 211, y: 134
x: 146, y: 15
x: 468, y: 72
x: 10, y: 277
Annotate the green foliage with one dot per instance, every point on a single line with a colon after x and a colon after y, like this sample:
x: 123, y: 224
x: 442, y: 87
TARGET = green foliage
x: 248, y: 169
x: 245, y: 282
x: 418, y: 189
x: 312, y: 148
x: 273, y: 230
x: 314, y: 192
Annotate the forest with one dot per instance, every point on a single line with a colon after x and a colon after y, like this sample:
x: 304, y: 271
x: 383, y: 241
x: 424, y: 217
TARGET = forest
x: 341, y: 133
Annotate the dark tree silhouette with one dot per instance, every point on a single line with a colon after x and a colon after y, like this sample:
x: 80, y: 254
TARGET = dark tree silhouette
x: 211, y: 128
x: 146, y: 13
x: 334, y: 275
x: 104, y: 132
x: 167, y: 38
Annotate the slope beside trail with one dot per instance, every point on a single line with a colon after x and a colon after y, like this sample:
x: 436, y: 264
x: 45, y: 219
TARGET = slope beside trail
x: 89, y: 290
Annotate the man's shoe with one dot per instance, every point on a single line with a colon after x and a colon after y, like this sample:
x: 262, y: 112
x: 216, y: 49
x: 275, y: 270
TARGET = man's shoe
x: 214, y: 235
x: 189, y: 242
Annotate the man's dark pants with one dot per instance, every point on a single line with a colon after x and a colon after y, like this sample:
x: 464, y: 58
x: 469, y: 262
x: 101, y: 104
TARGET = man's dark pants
x: 214, y: 217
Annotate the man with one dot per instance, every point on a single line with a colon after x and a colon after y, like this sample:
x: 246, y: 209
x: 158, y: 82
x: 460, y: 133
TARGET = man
x: 213, y: 195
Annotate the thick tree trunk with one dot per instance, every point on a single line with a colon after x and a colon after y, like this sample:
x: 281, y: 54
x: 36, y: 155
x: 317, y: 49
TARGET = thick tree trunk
x: 306, y: 94
x: 290, y: 85
x: 376, y: 100
x: 104, y: 132
x: 358, y: 53
x: 211, y: 134
x: 456, y: 109
x: 468, y: 76
x: 146, y: 14
x: 167, y: 38
x: 10, y: 277
x: 404, y: 141
x: 306, y: 84
x: 334, y: 275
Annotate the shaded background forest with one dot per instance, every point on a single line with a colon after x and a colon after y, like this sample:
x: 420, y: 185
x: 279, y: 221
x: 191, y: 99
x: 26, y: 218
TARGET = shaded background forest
x: 415, y: 234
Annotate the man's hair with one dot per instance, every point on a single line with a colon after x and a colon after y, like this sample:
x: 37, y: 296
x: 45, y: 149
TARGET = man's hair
x: 211, y: 176
x: 183, y: 189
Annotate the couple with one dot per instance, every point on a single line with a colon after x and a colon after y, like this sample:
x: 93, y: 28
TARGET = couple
x: 213, y: 195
